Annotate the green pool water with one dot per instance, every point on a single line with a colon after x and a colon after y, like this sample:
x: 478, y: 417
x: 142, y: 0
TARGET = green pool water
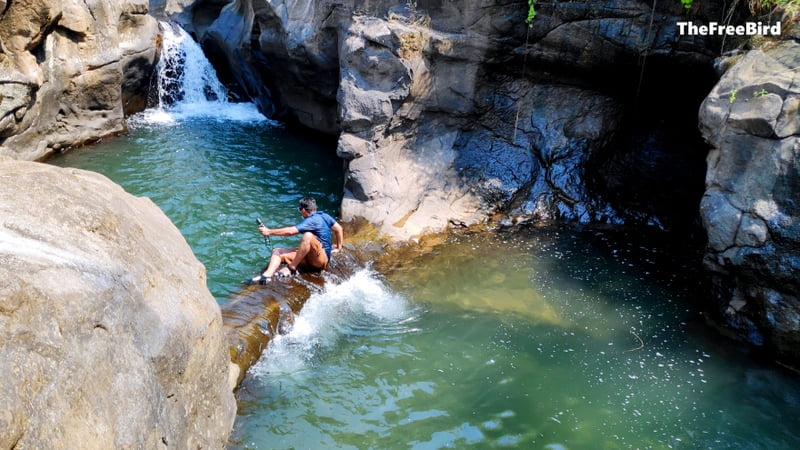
x: 546, y: 338
x: 550, y: 339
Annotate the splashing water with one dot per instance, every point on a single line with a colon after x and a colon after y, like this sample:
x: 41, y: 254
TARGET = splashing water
x: 360, y: 306
x: 184, y: 72
x: 188, y: 86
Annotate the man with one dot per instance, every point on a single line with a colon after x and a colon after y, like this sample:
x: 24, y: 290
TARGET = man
x: 315, y: 247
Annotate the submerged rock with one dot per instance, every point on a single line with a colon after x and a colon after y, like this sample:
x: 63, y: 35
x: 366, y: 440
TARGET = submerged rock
x: 751, y: 206
x: 70, y: 70
x: 109, y: 337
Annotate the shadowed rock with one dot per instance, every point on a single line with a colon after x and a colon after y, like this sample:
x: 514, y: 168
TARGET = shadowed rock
x: 751, y: 207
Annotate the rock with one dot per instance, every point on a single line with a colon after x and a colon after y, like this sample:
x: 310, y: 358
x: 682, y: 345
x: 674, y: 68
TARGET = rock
x: 70, y: 70
x: 750, y: 208
x: 459, y: 112
x: 109, y: 336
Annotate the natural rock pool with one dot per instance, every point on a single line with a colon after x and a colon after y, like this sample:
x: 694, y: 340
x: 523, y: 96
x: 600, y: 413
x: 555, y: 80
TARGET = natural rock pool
x: 539, y: 338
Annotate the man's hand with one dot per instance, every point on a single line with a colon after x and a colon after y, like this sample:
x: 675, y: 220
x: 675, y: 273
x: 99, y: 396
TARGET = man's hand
x: 264, y: 230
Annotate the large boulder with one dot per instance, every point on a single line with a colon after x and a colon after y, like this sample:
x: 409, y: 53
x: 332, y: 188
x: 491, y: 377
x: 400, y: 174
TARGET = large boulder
x: 109, y: 337
x: 751, y: 206
x: 452, y: 112
x: 70, y: 70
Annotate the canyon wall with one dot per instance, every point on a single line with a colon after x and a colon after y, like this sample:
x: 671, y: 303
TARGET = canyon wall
x: 452, y: 112
x: 70, y: 71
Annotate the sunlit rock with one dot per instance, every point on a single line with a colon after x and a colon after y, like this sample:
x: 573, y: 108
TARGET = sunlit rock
x: 109, y: 337
x: 70, y: 70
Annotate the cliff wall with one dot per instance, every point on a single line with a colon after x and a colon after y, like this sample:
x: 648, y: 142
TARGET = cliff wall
x: 751, y: 206
x: 70, y: 71
x: 451, y: 112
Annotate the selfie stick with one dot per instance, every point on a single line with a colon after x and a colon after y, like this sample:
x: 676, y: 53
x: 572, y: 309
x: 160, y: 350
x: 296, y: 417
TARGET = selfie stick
x: 267, y: 240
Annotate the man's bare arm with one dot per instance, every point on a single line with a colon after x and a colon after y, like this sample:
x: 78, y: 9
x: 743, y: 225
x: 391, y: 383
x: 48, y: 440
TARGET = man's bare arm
x: 338, y: 231
x: 285, y: 231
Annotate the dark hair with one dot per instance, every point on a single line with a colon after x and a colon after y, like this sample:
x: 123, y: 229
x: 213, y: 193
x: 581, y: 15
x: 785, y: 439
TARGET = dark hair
x: 309, y: 204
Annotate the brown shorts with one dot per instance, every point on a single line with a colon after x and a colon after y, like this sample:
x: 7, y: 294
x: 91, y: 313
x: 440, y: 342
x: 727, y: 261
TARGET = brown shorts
x: 316, y: 259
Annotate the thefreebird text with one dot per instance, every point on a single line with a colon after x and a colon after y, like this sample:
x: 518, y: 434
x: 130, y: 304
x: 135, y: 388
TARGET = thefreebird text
x: 715, y: 29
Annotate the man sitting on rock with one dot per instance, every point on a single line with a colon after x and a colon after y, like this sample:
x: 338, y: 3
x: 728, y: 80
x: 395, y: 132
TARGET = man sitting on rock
x: 315, y: 245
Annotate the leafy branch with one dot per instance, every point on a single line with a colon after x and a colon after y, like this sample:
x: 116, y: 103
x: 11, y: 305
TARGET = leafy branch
x: 531, y: 13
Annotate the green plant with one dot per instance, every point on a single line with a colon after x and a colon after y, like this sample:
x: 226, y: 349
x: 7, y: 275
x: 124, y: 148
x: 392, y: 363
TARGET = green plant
x: 760, y: 93
x: 732, y: 97
x: 687, y: 3
x: 531, y: 13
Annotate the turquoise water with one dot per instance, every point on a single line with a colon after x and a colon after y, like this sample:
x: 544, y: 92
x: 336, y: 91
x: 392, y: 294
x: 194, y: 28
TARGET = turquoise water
x: 551, y: 339
x: 213, y: 174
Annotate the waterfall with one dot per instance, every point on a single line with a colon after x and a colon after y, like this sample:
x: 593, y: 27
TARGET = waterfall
x: 184, y: 74
x: 187, y: 86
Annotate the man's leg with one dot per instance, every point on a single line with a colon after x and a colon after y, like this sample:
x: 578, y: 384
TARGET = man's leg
x: 279, y: 255
x: 310, y: 254
x: 302, y: 251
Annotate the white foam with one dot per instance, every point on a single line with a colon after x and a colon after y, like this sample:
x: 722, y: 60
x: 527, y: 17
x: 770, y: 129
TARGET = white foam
x: 234, y: 112
x: 361, y: 305
x: 188, y: 87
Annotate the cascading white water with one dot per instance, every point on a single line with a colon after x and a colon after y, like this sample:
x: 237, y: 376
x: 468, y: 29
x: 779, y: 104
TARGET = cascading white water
x: 359, y: 306
x: 188, y: 86
x: 184, y: 74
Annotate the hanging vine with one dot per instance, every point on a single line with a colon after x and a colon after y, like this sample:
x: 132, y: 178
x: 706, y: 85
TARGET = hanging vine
x: 531, y: 13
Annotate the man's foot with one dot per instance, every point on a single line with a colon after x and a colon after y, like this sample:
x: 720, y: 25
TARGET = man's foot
x: 259, y: 279
x: 286, y: 272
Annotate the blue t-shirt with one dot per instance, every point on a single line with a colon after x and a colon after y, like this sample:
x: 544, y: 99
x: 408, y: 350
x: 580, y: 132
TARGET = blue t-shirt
x: 319, y: 224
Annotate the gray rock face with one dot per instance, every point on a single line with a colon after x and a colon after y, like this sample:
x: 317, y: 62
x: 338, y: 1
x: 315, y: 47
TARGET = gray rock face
x: 109, y: 337
x: 70, y: 70
x: 449, y: 112
x: 751, y: 207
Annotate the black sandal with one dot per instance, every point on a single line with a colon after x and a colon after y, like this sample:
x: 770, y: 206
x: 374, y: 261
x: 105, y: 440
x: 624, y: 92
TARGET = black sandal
x: 259, y: 279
